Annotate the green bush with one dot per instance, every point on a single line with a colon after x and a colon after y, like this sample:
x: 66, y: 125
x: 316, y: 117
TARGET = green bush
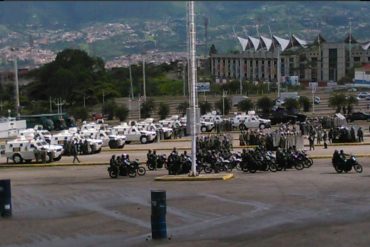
x: 147, y: 108
x: 265, y: 104
x: 80, y: 113
x: 122, y: 113
x: 205, y: 107
x: 181, y: 108
x: 305, y: 103
x: 245, y: 105
x: 163, y: 110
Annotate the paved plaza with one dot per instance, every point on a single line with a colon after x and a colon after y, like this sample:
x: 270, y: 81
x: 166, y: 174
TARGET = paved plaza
x: 82, y: 206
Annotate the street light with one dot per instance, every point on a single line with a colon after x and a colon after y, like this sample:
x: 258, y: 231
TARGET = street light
x: 16, y: 81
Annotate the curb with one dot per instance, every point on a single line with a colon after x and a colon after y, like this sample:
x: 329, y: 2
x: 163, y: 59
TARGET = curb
x: 240, y: 147
x: 208, y: 177
x: 314, y: 157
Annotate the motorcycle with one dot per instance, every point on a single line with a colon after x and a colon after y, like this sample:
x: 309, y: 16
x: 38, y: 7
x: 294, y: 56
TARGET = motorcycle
x: 116, y: 169
x: 346, y: 165
x: 161, y: 162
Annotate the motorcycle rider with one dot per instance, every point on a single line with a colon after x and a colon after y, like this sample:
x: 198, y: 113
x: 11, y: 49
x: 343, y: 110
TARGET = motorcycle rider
x: 155, y: 159
x: 280, y: 158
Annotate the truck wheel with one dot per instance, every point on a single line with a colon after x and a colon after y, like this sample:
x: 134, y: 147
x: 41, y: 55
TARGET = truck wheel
x: 112, y: 144
x: 143, y: 140
x: 17, y: 159
x: 262, y: 126
x: 49, y: 158
x: 58, y: 158
x: 203, y: 129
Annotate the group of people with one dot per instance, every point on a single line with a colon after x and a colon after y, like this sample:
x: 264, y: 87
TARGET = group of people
x: 287, y: 135
x: 214, y: 142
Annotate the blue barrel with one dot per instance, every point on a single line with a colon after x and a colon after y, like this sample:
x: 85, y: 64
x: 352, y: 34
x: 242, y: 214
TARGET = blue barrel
x: 5, y: 198
x: 158, y: 217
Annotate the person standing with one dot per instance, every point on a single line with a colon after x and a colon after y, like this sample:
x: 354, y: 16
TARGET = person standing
x: 75, y: 151
x: 360, y: 135
x: 325, y: 137
x: 311, y: 140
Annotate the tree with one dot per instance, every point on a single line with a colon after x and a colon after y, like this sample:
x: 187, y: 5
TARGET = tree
x: 291, y: 104
x: 225, y: 107
x: 147, y: 108
x: 337, y: 101
x: 122, y: 113
x: 109, y: 108
x: 245, y: 105
x: 351, y: 100
x: 205, y: 107
x: 212, y: 50
x: 181, y: 108
x: 265, y: 104
x: 305, y: 103
x: 163, y: 110
x: 71, y: 76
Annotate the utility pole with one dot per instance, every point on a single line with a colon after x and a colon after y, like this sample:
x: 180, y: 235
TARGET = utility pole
x: 16, y: 85
x: 144, y: 87
x: 103, y: 97
x: 184, y: 77
x: 51, y: 105
x: 350, y: 41
x: 278, y: 64
x: 223, y: 102
x: 132, y: 88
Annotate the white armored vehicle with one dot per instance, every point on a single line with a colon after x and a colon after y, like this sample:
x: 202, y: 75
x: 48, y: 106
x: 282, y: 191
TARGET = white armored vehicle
x: 133, y: 133
x: 24, y: 150
x: 250, y: 121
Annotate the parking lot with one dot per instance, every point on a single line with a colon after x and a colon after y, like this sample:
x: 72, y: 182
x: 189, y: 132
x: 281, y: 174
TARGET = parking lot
x: 82, y: 206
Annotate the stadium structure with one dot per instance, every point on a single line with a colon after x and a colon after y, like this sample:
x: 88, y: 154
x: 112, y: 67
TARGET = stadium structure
x: 316, y: 61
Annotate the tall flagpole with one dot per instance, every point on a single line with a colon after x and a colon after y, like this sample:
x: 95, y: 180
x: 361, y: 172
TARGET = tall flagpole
x: 193, y: 77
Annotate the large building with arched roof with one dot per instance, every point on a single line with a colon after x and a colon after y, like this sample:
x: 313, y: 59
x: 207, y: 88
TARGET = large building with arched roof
x: 319, y: 60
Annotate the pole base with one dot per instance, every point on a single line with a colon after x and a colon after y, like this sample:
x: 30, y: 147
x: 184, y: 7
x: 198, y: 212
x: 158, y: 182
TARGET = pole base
x: 192, y: 174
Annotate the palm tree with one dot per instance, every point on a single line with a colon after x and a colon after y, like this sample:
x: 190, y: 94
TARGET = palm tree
x: 337, y: 101
x: 351, y: 100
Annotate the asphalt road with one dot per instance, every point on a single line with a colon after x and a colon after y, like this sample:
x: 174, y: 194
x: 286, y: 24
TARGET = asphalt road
x: 82, y: 206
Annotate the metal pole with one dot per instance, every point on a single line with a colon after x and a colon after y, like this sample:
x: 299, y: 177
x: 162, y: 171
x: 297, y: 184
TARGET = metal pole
x: 240, y: 76
x: 350, y: 41
x: 144, y: 87
x: 193, y: 81
x: 223, y: 103
x: 184, y: 77
x: 132, y: 89
x: 278, y: 71
x: 16, y: 86
x: 51, y: 106
x: 313, y: 100
x: 139, y: 108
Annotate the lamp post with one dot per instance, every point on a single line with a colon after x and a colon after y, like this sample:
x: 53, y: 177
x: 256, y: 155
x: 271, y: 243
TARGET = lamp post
x: 16, y: 81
